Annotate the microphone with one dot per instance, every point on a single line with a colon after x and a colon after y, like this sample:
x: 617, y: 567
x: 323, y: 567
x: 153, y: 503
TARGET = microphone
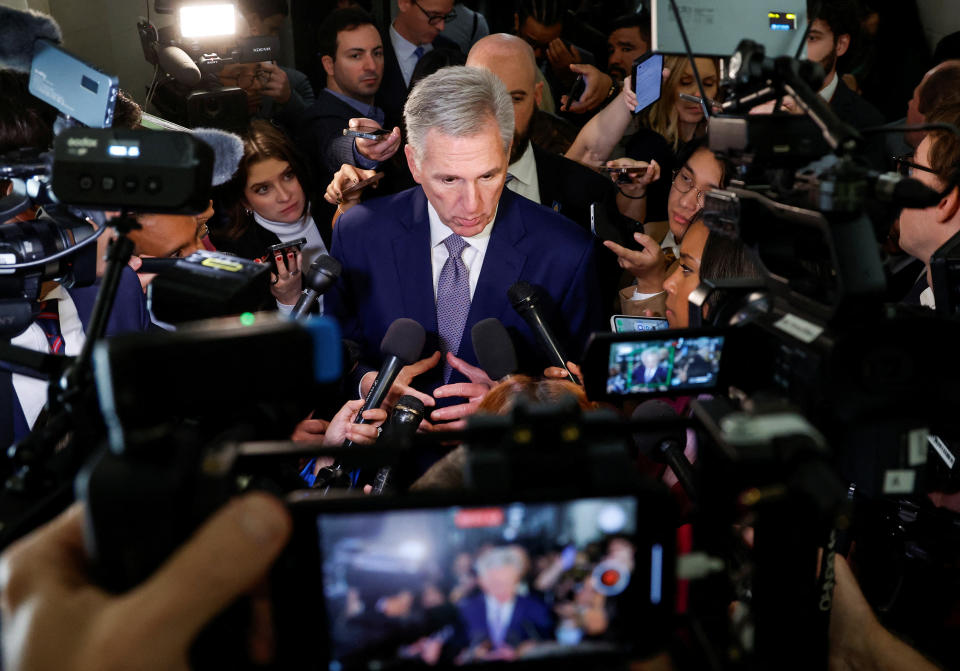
x: 525, y: 299
x: 178, y: 64
x: 494, y: 348
x: 889, y: 187
x: 401, y: 346
x: 403, y: 424
x: 664, y: 446
x: 227, y: 152
x: 318, y: 279
x: 21, y: 29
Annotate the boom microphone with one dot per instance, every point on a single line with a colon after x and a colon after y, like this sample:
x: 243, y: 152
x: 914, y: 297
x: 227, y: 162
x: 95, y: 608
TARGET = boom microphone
x: 525, y: 299
x: 227, y: 152
x: 664, y: 446
x: 178, y: 64
x: 318, y: 279
x: 494, y: 348
x: 403, y: 424
x: 20, y: 30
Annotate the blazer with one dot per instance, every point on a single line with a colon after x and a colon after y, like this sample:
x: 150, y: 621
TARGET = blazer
x: 531, y: 620
x: 859, y: 113
x: 321, y: 137
x: 384, y: 246
x: 393, y: 91
x: 129, y: 313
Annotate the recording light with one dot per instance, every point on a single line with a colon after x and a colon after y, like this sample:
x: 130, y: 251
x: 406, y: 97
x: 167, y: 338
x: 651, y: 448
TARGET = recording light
x: 208, y: 20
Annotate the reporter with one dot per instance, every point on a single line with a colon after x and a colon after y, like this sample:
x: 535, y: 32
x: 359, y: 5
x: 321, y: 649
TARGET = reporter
x: 54, y: 617
x: 269, y: 201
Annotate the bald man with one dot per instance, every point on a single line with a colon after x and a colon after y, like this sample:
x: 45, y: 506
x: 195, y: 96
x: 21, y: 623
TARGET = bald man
x: 552, y: 180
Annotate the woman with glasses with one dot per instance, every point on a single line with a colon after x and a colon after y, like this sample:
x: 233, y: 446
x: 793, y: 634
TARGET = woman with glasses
x: 268, y: 202
x: 653, y: 261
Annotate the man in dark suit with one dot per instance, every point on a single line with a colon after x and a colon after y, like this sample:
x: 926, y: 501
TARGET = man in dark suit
x: 834, y: 23
x: 445, y: 253
x: 414, y: 32
x: 351, y: 52
x: 498, y: 620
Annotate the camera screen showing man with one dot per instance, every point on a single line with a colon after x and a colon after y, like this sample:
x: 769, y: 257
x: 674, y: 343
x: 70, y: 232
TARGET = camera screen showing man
x: 457, y: 585
x: 640, y: 366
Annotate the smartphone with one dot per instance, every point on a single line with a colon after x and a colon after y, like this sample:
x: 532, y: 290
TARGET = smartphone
x: 366, y: 132
x: 579, y: 86
x: 378, y: 574
x: 362, y: 184
x: 681, y: 362
x: 624, y: 175
x: 626, y: 324
x: 283, y: 248
x: 647, y: 79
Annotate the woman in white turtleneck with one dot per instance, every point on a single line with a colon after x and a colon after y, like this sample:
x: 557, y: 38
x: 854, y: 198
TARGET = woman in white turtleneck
x: 271, y: 205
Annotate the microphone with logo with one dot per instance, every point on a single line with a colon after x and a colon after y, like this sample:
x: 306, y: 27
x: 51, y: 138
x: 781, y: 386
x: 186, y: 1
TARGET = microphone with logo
x: 317, y: 281
x: 494, y: 349
x: 666, y: 445
x: 525, y: 299
x: 398, y: 432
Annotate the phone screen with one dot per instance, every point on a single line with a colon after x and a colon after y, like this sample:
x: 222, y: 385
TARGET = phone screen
x: 647, y: 79
x: 623, y: 324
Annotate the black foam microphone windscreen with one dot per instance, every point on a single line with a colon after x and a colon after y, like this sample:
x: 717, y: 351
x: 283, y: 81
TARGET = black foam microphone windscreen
x: 177, y: 63
x: 664, y: 445
x: 227, y: 152
x: 317, y: 280
x: 19, y: 30
x: 525, y: 299
x: 494, y: 348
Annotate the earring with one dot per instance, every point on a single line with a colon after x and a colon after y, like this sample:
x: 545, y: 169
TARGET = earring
x: 248, y: 211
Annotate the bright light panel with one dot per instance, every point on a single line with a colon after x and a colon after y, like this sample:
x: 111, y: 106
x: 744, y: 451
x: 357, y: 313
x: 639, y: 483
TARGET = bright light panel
x: 208, y: 20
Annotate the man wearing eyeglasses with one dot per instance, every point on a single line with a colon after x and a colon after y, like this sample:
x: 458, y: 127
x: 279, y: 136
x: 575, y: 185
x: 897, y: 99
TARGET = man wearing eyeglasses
x: 414, y: 32
x: 936, y: 163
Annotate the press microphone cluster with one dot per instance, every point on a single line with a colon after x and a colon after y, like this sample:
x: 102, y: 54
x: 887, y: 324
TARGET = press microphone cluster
x: 525, y: 299
x: 494, y: 349
x: 404, y: 421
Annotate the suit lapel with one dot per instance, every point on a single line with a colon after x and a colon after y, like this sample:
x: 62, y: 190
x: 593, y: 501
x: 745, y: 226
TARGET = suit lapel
x: 411, y: 255
x: 501, y: 269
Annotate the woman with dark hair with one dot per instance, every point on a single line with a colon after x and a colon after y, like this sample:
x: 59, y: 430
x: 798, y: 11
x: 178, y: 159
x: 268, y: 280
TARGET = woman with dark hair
x: 268, y: 202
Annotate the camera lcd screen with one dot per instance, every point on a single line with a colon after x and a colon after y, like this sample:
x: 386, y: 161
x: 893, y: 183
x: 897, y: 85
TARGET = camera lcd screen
x: 672, y: 364
x: 459, y: 585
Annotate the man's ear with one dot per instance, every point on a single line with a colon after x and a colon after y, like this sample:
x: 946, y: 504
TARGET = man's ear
x: 327, y: 62
x: 538, y: 93
x: 412, y: 163
x: 949, y: 206
x: 843, y: 43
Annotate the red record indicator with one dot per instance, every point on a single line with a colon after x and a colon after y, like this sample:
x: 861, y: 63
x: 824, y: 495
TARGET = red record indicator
x: 611, y: 577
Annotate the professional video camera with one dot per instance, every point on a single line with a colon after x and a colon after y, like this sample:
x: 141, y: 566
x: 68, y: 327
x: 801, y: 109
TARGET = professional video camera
x: 203, y: 40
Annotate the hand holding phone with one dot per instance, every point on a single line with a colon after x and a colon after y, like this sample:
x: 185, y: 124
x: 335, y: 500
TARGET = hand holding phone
x: 647, y: 79
x: 366, y: 132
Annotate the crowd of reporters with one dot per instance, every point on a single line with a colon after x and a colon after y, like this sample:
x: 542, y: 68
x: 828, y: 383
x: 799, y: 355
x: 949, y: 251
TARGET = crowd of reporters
x: 474, y: 135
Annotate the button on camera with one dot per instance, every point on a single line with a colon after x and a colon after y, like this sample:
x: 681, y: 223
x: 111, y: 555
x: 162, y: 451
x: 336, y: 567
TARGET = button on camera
x: 86, y: 182
x: 130, y: 183
x: 107, y: 183
x: 153, y: 185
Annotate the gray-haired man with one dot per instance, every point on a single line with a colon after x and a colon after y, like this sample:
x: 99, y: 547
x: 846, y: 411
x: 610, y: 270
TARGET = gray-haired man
x: 444, y: 253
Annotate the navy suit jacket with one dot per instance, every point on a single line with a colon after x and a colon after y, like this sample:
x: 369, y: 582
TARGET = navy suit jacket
x: 384, y: 246
x: 129, y: 314
x: 531, y: 620
x: 392, y: 94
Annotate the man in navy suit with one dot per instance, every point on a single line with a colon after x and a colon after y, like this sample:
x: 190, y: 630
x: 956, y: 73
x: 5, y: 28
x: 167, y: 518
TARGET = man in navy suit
x: 494, y: 623
x: 396, y: 251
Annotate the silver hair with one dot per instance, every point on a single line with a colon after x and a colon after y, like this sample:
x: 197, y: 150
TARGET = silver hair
x: 457, y: 101
x: 500, y: 556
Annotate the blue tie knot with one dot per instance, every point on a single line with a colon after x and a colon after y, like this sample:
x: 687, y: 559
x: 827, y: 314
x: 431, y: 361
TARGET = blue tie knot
x: 418, y: 53
x: 455, y: 245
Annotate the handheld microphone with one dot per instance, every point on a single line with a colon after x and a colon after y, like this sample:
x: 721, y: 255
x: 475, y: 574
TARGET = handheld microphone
x: 889, y: 187
x: 401, y: 346
x: 665, y: 446
x: 21, y: 29
x: 494, y: 348
x: 525, y: 299
x: 227, y: 152
x: 178, y: 64
x: 403, y: 424
x: 318, y: 279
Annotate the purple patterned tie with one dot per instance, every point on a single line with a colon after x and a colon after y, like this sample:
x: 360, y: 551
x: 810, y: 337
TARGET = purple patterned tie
x: 453, y: 299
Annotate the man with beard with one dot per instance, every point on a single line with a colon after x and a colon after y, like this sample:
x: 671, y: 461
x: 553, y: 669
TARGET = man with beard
x: 628, y: 40
x: 552, y: 180
x: 834, y: 25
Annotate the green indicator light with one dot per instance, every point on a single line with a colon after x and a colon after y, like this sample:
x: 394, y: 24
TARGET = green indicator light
x: 247, y: 319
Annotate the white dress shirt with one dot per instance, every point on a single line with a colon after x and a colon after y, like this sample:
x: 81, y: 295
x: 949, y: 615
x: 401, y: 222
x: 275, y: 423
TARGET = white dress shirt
x: 525, y: 182
x: 498, y: 618
x: 406, y: 58
x: 31, y: 392
x: 827, y: 92
x: 472, y: 254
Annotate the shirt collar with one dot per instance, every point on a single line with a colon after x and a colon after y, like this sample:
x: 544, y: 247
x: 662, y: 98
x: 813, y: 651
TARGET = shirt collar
x: 524, y: 169
x: 367, y: 110
x: 827, y: 92
x: 403, y: 47
x: 439, y: 231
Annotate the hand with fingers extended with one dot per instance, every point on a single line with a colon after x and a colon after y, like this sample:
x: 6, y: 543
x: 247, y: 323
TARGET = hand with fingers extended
x: 597, y: 88
x: 381, y: 149
x: 648, y: 265
x: 401, y: 385
x: 276, y: 84
x: 344, y: 178
x: 342, y: 425
x: 286, y: 282
x: 558, y: 373
x: 48, y: 597
x: 639, y: 175
x: 473, y: 391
